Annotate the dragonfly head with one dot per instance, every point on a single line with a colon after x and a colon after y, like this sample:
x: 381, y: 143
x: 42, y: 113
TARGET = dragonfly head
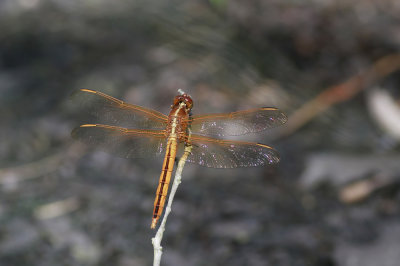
x: 184, y: 98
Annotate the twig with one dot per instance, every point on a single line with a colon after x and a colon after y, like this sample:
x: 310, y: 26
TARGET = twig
x: 177, y: 180
x: 342, y: 92
x: 13, y: 175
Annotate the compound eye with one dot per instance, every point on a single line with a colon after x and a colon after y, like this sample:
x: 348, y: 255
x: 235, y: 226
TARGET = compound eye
x: 177, y: 100
x: 189, y: 104
x: 188, y: 101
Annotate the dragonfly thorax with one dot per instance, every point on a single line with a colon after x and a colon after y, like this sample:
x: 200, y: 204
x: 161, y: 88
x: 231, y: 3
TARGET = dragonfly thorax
x: 178, y: 121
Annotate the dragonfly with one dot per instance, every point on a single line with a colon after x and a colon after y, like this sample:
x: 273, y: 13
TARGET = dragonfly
x: 132, y: 131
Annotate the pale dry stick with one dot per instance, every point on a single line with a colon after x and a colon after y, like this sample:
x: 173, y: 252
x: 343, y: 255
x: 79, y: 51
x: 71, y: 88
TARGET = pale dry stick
x: 31, y: 170
x: 177, y: 180
x: 13, y: 175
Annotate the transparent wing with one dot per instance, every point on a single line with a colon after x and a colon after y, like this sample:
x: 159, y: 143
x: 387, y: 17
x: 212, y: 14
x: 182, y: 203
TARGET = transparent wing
x: 237, y: 123
x: 109, y: 110
x: 128, y: 143
x: 217, y: 153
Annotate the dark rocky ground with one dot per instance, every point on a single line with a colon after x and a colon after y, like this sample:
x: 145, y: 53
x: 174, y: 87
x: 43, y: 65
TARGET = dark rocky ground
x: 333, y: 199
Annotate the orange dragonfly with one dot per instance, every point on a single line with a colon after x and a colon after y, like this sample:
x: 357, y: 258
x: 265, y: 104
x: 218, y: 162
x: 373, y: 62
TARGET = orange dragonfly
x: 160, y: 134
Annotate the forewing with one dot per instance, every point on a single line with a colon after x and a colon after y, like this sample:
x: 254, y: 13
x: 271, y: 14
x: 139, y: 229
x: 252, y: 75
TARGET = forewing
x: 217, y: 153
x: 237, y: 123
x: 127, y: 143
x: 109, y: 110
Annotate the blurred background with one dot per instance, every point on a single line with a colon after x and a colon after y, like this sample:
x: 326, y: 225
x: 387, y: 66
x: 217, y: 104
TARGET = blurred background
x: 331, y: 66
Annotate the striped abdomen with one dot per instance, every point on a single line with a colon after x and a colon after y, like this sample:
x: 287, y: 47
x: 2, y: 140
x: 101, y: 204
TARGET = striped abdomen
x: 164, y: 181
